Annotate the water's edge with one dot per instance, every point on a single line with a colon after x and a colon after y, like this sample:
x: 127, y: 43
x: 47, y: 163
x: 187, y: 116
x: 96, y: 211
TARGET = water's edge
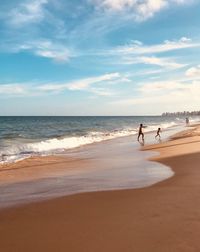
x: 124, y: 167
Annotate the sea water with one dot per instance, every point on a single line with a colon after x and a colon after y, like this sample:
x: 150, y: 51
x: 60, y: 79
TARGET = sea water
x: 23, y: 137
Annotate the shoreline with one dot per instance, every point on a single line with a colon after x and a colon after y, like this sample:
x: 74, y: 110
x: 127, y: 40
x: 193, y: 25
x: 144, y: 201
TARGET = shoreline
x: 67, y: 156
x: 162, y: 217
x: 116, y: 164
x: 111, y: 165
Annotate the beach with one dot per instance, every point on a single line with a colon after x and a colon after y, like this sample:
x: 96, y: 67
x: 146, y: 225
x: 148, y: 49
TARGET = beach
x: 99, y: 126
x: 161, y: 217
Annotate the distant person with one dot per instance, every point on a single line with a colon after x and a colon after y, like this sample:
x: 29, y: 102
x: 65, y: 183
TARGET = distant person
x: 140, y: 133
x: 158, y: 133
x: 187, y: 121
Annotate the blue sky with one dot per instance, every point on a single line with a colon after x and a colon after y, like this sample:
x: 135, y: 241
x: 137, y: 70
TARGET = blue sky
x: 99, y: 57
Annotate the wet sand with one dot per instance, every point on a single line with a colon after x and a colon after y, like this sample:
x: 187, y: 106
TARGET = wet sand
x: 162, y: 217
x: 109, y: 165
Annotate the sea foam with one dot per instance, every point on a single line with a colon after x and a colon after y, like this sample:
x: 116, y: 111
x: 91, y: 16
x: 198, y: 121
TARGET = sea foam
x: 20, y: 151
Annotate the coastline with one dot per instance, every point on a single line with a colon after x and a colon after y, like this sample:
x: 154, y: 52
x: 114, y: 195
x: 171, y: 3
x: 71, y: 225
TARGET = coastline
x: 37, y: 167
x: 161, y: 217
x: 109, y: 165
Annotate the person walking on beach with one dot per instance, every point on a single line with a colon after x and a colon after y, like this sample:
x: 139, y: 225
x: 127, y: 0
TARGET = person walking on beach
x: 158, y: 133
x: 187, y: 121
x: 140, y: 133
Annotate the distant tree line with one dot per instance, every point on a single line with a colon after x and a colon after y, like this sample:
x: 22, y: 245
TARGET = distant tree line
x: 184, y: 113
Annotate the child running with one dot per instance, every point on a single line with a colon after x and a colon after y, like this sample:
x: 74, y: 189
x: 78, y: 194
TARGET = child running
x: 158, y: 133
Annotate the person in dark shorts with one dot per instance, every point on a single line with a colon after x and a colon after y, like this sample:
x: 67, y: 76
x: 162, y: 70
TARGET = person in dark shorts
x: 140, y: 133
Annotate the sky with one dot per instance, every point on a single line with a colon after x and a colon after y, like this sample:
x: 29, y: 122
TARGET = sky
x: 99, y: 57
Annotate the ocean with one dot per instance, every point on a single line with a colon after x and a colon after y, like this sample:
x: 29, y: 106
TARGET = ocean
x: 23, y: 137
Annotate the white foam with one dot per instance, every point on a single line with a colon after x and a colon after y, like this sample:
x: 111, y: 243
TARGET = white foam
x: 50, y: 146
x: 163, y: 126
x: 21, y: 151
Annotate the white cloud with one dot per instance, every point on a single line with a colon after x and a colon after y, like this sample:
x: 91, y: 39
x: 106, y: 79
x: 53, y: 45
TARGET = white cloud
x: 183, y: 1
x: 116, y: 5
x: 102, y: 92
x: 162, y: 62
x: 143, y: 9
x: 137, y: 53
x: 12, y: 89
x: 57, y: 52
x: 158, y: 97
x: 135, y: 48
x: 83, y: 84
x: 193, y: 72
x: 140, y: 10
x: 92, y: 84
x: 27, y: 12
x: 47, y: 49
x: 147, y: 9
x: 162, y: 87
x: 149, y: 72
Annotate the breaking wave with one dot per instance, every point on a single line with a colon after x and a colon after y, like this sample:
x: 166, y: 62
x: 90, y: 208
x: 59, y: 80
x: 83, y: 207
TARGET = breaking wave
x: 20, y: 151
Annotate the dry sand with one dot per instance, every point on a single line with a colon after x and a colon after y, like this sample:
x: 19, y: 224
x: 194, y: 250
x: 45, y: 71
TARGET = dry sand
x: 163, y: 217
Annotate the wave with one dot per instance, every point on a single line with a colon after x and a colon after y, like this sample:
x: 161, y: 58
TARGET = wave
x: 21, y: 151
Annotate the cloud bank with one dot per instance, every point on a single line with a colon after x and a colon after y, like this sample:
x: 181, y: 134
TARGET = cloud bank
x: 140, y: 10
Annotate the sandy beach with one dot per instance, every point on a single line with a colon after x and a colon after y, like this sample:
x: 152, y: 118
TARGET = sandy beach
x: 99, y: 126
x: 162, y: 217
